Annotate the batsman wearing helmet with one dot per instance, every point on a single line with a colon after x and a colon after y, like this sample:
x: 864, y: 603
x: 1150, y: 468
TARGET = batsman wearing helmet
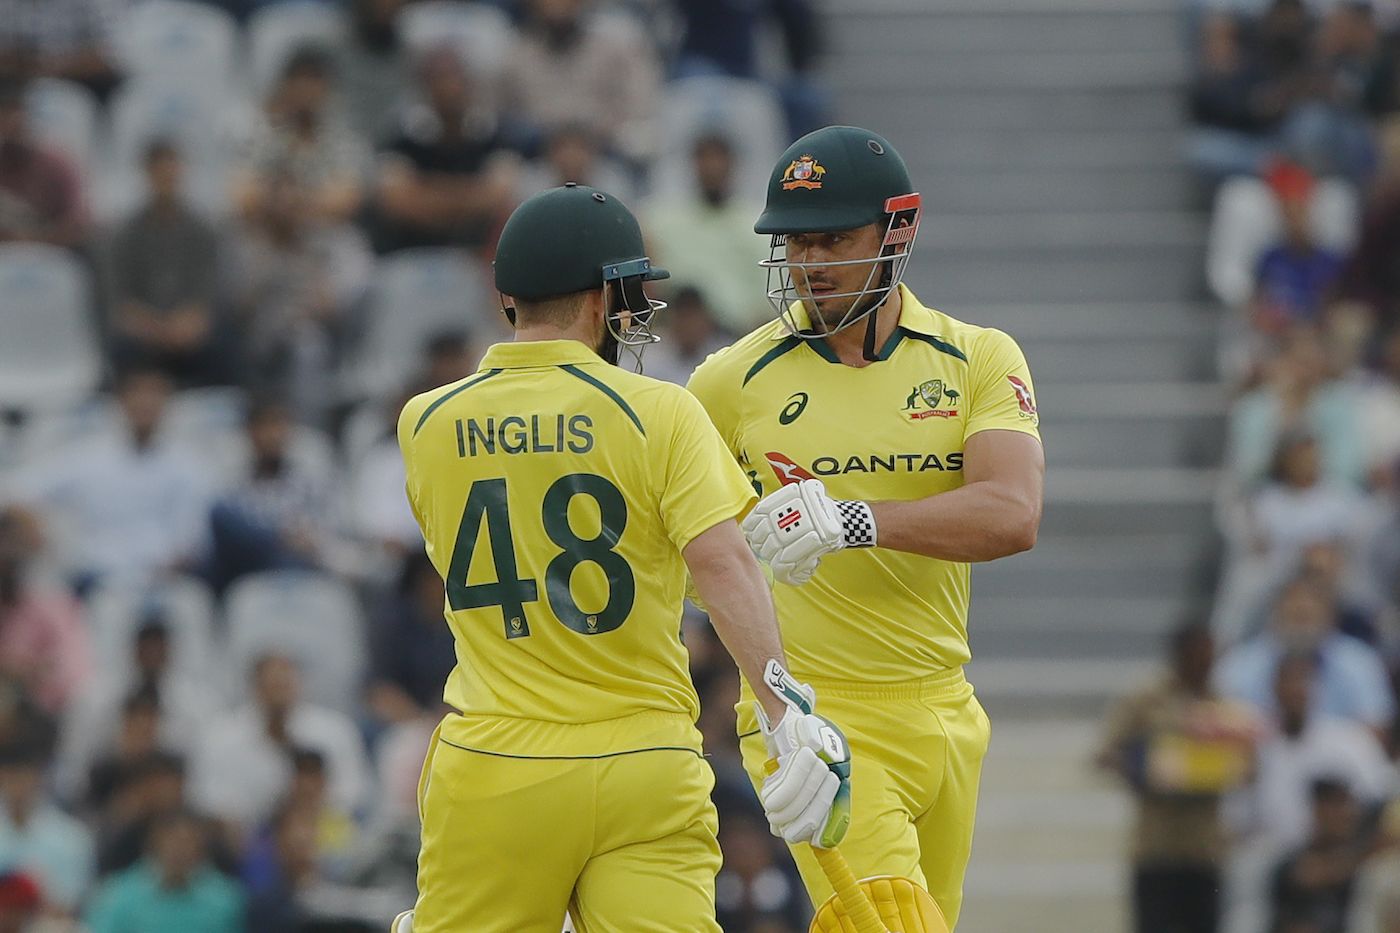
x: 563, y: 501
x: 892, y: 446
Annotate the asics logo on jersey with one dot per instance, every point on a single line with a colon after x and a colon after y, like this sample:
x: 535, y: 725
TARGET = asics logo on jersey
x: 793, y: 408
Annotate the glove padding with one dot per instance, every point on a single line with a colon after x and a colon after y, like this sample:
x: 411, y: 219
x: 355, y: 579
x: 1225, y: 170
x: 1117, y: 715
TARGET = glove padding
x: 807, y: 793
x: 793, y: 528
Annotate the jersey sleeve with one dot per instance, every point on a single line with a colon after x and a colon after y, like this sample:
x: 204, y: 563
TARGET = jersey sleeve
x: 1004, y: 396
x: 701, y: 483
x: 408, y: 420
x: 720, y: 400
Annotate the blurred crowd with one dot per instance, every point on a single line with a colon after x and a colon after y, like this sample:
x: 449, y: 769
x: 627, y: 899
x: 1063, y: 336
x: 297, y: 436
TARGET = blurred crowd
x: 234, y: 237
x: 1264, y: 760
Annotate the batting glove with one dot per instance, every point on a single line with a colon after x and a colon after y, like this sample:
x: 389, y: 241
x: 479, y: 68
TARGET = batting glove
x: 793, y: 528
x: 807, y: 793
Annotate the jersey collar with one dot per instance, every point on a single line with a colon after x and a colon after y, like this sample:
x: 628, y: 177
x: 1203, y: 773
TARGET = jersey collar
x: 914, y: 317
x: 522, y: 354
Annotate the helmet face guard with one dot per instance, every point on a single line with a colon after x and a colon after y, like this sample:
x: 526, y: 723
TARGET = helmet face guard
x: 786, y: 295
x: 630, y: 313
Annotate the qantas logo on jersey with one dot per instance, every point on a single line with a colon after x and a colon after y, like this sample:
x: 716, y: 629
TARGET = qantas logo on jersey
x: 789, y: 472
x: 1023, y: 396
x: 932, y: 393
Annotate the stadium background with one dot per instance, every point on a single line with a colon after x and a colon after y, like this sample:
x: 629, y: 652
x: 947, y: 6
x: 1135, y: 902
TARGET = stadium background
x: 1102, y: 180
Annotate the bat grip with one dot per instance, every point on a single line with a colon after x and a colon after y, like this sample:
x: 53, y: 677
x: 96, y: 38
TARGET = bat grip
x: 858, y: 905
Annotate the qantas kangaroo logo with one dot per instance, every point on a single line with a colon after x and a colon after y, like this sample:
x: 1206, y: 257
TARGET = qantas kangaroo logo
x: 788, y: 472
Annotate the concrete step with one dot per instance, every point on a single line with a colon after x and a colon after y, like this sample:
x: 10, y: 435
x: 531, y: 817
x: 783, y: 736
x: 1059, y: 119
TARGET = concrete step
x: 989, y: 31
x: 1029, y: 233
x: 1012, y: 69
x: 1110, y: 359
x: 1129, y: 444
x: 930, y: 149
x: 1051, y: 572
x: 1083, y: 319
x: 950, y: 284
x: 1063, y: 190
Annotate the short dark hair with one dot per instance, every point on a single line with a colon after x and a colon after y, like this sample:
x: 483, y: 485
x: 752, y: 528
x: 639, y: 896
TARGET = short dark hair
x: 444, y: 342
x: 308, y: 759
x: 157, y: 148
x: 308, y: 60
x: 712, y: 139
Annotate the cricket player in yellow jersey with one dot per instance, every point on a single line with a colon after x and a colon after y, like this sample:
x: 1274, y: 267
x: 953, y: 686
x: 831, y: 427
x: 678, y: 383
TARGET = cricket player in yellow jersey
x: 893, y: 445
x: 563, y: 500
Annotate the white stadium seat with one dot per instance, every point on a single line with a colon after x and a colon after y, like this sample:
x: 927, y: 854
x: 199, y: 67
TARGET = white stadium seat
x: 185, y: 605
x: 747, y: 112
x: 312, y: 618
x: 65, y: 115
x: 49, y: 355
x: 195, y: 117
x: 417, y: 293
x: 178, y: 42
x: 274, y: 32
x: 480, y: 33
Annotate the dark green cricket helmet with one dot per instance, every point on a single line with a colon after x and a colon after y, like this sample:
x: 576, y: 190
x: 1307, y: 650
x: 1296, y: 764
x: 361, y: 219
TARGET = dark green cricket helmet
x: 570, y: 239
x: 835, y: 178
x: 832, y: 180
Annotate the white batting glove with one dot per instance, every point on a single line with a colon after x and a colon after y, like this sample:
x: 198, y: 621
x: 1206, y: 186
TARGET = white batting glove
x: 793, y: 528
x: 807, y: 793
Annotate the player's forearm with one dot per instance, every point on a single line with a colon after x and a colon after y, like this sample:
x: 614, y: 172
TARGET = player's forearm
x: 977, y: 522
x: 735, y: 592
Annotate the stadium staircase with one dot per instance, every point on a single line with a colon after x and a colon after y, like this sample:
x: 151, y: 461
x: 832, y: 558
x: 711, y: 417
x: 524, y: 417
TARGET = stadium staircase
x: 1046, y: 136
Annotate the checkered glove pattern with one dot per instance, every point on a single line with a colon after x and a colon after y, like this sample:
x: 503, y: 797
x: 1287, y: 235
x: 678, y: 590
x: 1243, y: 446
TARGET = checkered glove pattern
x: 793, y: 528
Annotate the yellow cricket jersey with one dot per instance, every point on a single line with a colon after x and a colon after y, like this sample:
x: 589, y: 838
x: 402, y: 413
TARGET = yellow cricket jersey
x: 555, y: 493
x: 895, y: 429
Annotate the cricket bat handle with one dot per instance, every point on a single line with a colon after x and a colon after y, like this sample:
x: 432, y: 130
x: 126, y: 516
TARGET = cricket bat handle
x: 858, y: 905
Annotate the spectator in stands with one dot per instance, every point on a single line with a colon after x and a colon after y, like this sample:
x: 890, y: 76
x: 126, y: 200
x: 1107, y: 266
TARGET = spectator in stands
x: 1351, y: 681
x: 1296, y: 276
x: 292, y: 284
x: 706, y: 239
x: 1315, y: 883
x: 137, y: 739
x: 1298, y: 508
x: 690, y: 335
x: 1371, y: 278
x: 1375, y: 905
x: 571, y: 64
x: 43, y: 644
x: 1272, y: 816
x: 174, y: 890
x: 282, y: 516
x: 373, y: 66
x: 150, y: 789
x: 20, y: 904
x: 1179, y: 841
x: 140, y: 503
x: 755, y: 889
x: 301, y: 134
x: 1380, y: 404
x: 162, y: 268
x: 244, y: 763
x: 186, y: 705
x: 444, y: 178
x: 36, y: 836
x: 725, y: 36
x: 572, y: 153
x: 69, y: 39
x: 380, y: 513
x: 1297, y: 395
x: 412, y: 648
x: 1233, y: 113
x: 291, y: 866
x: 41, y: 192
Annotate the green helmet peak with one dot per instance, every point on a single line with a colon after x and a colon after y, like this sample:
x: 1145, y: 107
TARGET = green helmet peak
x: 569, y: 239
x: 835, y: 178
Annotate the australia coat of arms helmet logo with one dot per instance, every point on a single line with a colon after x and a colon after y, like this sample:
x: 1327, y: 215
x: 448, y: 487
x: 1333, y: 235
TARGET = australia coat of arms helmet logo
x: 804, y: 172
